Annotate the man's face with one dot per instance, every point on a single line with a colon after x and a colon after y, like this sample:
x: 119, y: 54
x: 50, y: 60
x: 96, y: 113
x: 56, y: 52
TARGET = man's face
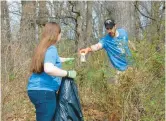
x: 112, y: 31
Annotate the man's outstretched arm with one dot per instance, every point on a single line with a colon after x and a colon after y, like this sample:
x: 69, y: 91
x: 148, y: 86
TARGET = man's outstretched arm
x: 92, y: 48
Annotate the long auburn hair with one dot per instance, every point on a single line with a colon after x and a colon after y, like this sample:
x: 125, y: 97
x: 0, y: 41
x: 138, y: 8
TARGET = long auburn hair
x: 49, y: 37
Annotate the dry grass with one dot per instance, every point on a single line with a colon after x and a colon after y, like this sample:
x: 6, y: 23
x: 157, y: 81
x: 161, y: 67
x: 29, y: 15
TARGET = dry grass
x: 139, y: 95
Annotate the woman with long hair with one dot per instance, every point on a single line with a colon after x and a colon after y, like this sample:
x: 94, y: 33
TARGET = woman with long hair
x: 46, y: 75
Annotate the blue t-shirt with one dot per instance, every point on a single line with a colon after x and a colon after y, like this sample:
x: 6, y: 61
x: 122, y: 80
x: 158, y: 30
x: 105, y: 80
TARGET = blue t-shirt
x: 43, y: 81
x: 117, y: 49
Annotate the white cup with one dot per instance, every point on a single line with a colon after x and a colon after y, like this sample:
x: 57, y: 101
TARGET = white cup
x: 83, y: 59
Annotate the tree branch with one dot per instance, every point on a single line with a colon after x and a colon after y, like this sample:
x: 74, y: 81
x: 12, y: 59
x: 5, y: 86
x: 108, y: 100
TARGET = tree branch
x: 78, y: 13
x: 142, y: 13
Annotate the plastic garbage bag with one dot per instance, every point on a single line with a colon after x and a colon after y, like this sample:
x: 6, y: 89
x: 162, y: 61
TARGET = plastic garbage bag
x: 68, y: 102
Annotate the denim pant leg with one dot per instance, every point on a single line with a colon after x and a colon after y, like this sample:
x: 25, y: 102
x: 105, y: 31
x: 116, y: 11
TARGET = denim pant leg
x: 45, y: 104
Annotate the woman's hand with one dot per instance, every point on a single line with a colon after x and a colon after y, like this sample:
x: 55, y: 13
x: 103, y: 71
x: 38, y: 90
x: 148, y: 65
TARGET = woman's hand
x: 71, y: 74
x: 66, y: 59
x: 69, y: 59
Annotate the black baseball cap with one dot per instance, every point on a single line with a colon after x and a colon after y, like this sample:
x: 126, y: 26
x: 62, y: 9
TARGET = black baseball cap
x: 109, y: 24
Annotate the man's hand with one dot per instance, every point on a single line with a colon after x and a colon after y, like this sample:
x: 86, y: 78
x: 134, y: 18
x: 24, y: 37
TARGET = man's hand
x: 93, y: 48
x: 86, y: 50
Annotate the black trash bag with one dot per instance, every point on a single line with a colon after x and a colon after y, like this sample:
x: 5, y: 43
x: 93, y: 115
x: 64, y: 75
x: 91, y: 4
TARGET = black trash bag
x: 68, y: 102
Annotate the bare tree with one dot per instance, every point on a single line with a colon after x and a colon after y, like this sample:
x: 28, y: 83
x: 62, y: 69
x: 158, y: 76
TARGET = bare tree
x: 42, y: 17
x: 43, y: 13
x: 88, y: 36
x: 58, y: 9
x: 153, y: 14
x: 101, y: 15
x: 6, y: 38
x: 28, y: 22
x: 77, y: 9
x: 123, y: 14
x: 6, y: 32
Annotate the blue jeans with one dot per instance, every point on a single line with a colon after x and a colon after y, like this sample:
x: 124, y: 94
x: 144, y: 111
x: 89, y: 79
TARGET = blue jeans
x: 45, y: 104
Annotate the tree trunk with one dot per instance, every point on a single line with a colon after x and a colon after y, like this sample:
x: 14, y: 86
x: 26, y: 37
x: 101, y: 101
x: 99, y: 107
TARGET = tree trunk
x: 88, y: 37
x: 43, y: 14
x: 5, y: 21
x: 79, y: 26
x: 28, y: 26
x: 123, y: 14
x: 6, y: 51
x: 42, y: 18
x: 138, y: 26
x: 58, y: 9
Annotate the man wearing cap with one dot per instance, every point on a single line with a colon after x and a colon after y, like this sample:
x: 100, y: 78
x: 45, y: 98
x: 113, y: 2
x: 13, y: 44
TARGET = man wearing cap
x: 115, y: 43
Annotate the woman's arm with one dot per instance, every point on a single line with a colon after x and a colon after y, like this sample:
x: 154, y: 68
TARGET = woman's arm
x: 62, y: 59
x: 52, y: 70
x: 65, y: 59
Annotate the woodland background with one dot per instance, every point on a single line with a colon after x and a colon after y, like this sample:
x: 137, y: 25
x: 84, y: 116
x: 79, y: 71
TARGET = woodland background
x: 139, y: 96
